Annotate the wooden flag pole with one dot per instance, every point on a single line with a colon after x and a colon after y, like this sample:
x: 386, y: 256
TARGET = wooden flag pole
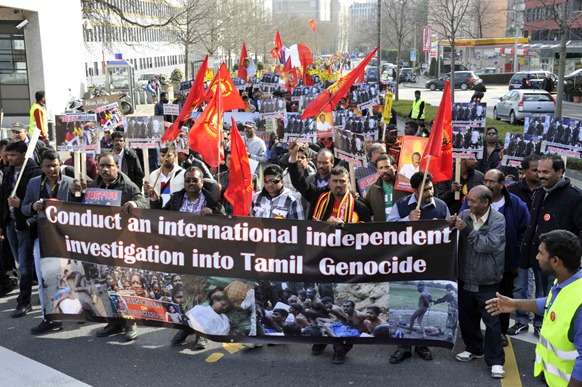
x: 29, y: 151
x: 419, y: 202
x: 77, y: 164
x: 457, y: 176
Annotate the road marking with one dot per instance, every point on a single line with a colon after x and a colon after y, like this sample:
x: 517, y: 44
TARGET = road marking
x: 216, y: 356
x: 512, y: 378
x: 232, y: 348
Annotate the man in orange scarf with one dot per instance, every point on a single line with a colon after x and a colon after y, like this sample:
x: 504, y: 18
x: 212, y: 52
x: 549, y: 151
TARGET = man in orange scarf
x: 335, y: 204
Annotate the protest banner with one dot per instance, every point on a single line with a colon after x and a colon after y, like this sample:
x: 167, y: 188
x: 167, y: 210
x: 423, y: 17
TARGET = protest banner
x: 409, y: 161
x: 295, y: 129
x: 148, y: 261
x: 77, y: 132
x: 350, y: 147
x: 106, y: 108
x: 144, y: 131
x: 467, y: 141
x: 562, y: 137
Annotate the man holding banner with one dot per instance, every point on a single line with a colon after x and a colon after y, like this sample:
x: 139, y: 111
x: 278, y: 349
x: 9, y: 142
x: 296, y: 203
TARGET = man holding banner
x: 335, y: 204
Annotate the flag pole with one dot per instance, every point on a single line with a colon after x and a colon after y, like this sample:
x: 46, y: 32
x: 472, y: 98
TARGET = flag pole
x: 219, y: 130
x: 419, y: 202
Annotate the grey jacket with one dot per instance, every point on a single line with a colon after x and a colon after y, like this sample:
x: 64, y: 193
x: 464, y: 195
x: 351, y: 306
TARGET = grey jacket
x: 33, y: 193
x: 482, y: 252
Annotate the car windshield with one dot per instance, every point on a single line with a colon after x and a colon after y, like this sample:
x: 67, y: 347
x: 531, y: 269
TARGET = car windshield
x: 537, y: 97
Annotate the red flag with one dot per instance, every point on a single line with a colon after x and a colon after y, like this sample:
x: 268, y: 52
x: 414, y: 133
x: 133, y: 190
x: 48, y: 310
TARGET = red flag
x: 194, y: 100
x: 239, y: 192
x: 312, y: 24
x: 242, y: 69
x: 277, y: 51
x: 333, y: 94
x: 230, y: 95
x: 205, y: 137
x: 440, y: 146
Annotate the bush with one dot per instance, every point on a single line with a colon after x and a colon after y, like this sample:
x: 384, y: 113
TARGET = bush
x: 163, y: 78
x: 177, y: 76
x: 432, y: 71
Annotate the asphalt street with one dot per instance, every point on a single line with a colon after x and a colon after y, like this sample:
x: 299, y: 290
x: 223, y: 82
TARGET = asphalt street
x: 75, y: 357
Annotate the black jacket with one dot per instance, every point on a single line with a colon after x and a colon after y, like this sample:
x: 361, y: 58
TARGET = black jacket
x: 176, y: 199
x: 29, y: 171
x: 131, y: 166
x: 561, y: 209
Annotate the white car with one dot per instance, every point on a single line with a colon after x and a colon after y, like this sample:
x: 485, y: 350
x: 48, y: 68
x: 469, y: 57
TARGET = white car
x: 520, y: 103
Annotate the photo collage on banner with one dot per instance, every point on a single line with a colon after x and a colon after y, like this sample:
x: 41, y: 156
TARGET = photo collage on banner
x: 269, y: 83
x: 468, y: 129
x: 518, y: 145
x: 300, y: 91
x: 299, y: 130
x: 272, y: 108
x: 107, y: 109
x: 350, y: 147
x: 200, y: 272
x: 563, y: 137
x: 77, y: 132
x: 366, y: 96
x: 144, y: 131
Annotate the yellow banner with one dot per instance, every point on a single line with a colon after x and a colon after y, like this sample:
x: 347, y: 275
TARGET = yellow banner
x: 387, y: 107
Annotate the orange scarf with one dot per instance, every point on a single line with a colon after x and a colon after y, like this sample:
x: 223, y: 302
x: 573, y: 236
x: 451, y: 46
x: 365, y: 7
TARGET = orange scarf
x: 345, y: 210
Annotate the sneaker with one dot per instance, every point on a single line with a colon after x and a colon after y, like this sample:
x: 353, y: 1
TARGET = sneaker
x: 317, y: 349
x: 109, y: 330
x: 497, y: 371
x: 180, y: 337
x: 504, y: 341
x: 339, y: 357
x: 130, y: 332
x: 201, y: 343
x: 517, y: 328
x: 46, y: 326
x: 423, y: 352
x: 537, y: 331
x: 21, y: 311
x: 467, y: 356
x: 399, y: 356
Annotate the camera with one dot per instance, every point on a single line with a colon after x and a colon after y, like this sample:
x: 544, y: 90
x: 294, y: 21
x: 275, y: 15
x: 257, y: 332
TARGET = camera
x: 22, y: 24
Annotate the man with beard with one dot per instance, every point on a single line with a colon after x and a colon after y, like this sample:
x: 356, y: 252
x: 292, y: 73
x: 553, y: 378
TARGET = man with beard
x: 335, y: 204
x: 256, y: 148
x: 405, y: 209
x: 129, y: 163
x: 560, y: 345
x: 393, y: 145
x: 557, y: 204
x: 380, y: 196
x: 324, y: 163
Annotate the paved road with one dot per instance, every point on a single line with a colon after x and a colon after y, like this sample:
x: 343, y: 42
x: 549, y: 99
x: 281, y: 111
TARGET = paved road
x: 75, y: 356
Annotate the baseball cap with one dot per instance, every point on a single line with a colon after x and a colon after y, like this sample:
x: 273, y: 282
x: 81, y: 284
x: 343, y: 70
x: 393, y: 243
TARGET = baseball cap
x: 17, y: 127
x: 391, y: 128
x: 251, y: 124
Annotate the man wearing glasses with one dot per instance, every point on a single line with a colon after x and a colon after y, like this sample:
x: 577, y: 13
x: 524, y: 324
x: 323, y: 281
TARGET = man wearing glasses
x: 276, y: 201
x: 491, y: 157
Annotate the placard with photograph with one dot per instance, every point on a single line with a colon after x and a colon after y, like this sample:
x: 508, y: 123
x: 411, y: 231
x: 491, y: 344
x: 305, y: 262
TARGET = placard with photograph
x: 77, y: 132
x: 470, y: 113
x: 298, y: 129
x: 350, y: 147
x: 144, y: 131
x: 409, y: 161
x: 467, y: 141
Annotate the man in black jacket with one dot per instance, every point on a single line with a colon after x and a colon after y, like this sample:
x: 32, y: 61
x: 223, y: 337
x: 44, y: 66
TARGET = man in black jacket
x: 14, y: 221
x: 128, y: 162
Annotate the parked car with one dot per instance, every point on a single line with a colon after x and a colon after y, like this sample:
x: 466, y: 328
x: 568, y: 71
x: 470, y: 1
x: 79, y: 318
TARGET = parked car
x: 464, y: 80
x: 407, y: 74
x: 488, y: 70
x: 535, y: 77
x: 518, y: 104
x: 458, y: 67
x: 371, y: 74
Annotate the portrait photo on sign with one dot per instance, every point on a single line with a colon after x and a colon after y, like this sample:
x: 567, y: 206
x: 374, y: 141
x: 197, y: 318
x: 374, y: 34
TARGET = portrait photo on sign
x: 409, y: 161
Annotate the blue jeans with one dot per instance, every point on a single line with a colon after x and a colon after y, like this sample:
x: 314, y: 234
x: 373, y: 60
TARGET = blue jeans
x: 524, y: 287
x: 22, y: 251
x: 471, y: 312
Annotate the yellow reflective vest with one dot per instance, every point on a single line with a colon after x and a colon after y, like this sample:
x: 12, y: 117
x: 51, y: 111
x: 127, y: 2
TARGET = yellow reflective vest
x: 43, y: 119
x: 416, y: 110
x: 555, y: 353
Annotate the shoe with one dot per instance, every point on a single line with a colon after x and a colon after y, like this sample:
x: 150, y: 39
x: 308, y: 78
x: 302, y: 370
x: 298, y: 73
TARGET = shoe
x: 339, y: 357
x: 537, y: 331
x: 21, y: 311
x: 317, y: 349
x: 504, y: 341
x: 46, y: 326
x: 130, y: 332
x: 252, y: 345
x: 467, y: 356
x: 399, y: 356
x: 517, y: 328
x: 201, y: 343
x: 497, y: 371
x: 180, y: 337
x: 6, y: 288
x: 109, y: 330
x: 423, y: 352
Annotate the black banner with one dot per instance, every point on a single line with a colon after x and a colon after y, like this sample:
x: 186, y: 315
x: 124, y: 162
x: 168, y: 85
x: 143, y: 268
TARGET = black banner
x: 106, y: 264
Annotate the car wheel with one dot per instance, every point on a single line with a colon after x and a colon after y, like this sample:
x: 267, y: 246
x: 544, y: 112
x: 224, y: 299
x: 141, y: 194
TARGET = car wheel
x: 464, y: 86
x: 512, y: 119
x: 432, y: 87
x: 495, y: 116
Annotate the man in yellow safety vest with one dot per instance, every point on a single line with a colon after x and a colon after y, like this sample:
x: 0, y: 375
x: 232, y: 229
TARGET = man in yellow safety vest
x: 559, y: 350
x: 418, y: 108
x: 38, y: 116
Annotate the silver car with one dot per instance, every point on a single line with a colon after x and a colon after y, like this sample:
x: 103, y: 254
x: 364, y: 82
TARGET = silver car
x: 518, y: 104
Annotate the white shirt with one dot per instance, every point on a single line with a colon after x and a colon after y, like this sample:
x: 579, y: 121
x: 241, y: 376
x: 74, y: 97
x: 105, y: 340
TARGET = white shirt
x: 408, y: 170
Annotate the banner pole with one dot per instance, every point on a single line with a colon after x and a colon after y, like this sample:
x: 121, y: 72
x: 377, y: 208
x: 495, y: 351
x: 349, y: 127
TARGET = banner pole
x: 419, y: 202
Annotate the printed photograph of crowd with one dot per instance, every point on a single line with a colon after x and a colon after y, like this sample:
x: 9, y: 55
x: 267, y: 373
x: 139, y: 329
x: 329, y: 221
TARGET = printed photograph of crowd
x: 350, y: 146
x: 470, y: 113
x: 517, y: 146
x: 563, y: 133
x: 144, y: 128
x: 365, y: 96
x: 294, y: 126
x: 109, y: 116
x: 272, y: 106
x: 467, y: 139
x: 77, y: 132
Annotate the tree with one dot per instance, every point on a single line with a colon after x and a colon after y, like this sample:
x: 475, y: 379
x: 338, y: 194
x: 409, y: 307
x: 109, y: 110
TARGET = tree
x: 400, y: 19
x: 448, y: 18
x: 482, y: 14
x: 564, y: 14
